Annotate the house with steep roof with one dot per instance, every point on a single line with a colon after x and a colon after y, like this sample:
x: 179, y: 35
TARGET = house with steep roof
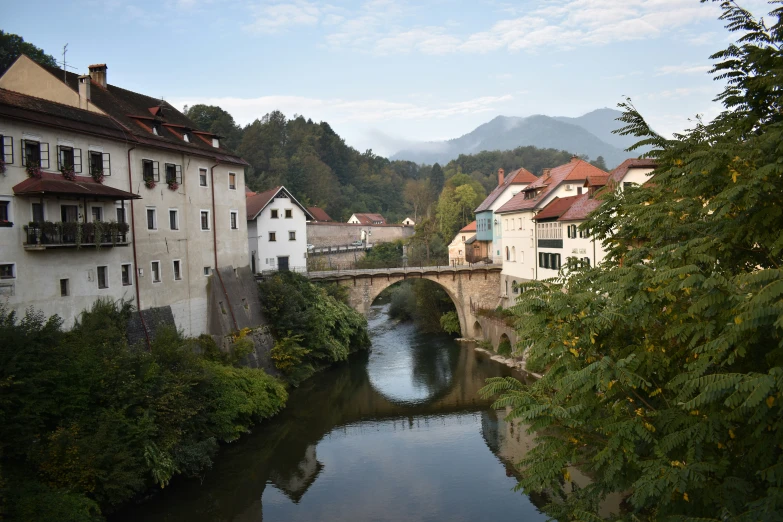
x: 458, y: 248
x: 408, y: 222
x: 523, y: 235
x: 367, y: 219
x: 489, y: 232
x: 108, y: 193
x: 277, y: 231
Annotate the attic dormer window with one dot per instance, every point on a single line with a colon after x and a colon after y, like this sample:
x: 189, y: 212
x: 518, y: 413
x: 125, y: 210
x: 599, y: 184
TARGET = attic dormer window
x: 186, y: 136
x: 156, y: 129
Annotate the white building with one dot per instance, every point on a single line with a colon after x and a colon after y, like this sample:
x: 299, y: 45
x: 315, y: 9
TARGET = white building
x: 179, y: 194
x: 367, y: 219
x: 408, y: 222
x: 457, y: 248
x: 516, y: 218
x: 277, y: 231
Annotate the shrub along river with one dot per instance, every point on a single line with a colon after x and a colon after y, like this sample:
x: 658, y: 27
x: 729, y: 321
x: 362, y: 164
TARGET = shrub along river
x: 396, y: 434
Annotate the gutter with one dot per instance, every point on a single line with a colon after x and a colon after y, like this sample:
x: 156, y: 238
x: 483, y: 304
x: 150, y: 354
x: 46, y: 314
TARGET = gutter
x: 135, y: 261
x: 214, y: 240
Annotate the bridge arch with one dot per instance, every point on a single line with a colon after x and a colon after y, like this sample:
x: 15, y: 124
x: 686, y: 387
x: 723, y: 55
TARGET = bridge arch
x: 478, y: 330
x: 470, y: 288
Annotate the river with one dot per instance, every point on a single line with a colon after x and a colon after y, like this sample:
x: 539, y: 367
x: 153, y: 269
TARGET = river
x: 396, y: 434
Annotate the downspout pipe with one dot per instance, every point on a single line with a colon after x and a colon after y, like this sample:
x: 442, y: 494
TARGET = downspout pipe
x: 135, y: 260
x: 214, y: 241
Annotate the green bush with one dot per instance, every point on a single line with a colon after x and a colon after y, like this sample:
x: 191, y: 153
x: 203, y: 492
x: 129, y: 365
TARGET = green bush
x: 88, y: 422
x: 450, y: 323
x: 504, y: 347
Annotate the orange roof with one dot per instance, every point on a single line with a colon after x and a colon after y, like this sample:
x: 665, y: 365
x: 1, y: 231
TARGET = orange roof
x: 556, y: 208
x: 518, y: 177
x: 470, y: 227
x: 370, y: 219
x: 596, y: 181
x: 573, y: 171
x: 581, y: 208
x: 257, y: 203
x: 319, y: 214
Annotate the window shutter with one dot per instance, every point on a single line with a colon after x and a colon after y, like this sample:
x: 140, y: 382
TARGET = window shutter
x: 77, y: 160
x: 178, y: 171
x: 44, y: 155
x: 155, y: 171
x: 24, y: 152
x: 59, y: 157
x: 106, y: 164
x: 8, y: 149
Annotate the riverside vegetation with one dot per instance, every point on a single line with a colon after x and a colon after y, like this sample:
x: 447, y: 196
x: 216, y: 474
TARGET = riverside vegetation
x: 88, y: 423
x: 665, y: 363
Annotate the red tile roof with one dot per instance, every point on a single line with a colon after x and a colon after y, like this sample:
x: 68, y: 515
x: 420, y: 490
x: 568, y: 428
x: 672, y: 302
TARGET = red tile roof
x: 622, y: 169
x: 54, y: 184
x: 319, y: 214
x: 517, y: 177
x: 370, y: 219
x: 580, y: 208
x: 575, y: 170
x: 256, y: 203
x: 596, y: 181
x: 556, y: 208
x: 470, y: 227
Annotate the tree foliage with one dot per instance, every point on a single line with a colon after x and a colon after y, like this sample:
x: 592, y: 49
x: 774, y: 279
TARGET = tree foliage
x: 87, y: 422
x: 665, y: 364
x: 12, y: 46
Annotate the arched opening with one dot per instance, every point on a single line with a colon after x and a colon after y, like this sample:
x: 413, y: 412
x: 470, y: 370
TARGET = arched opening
x: 478, y: 332
x: 504, y: 346
x: 508, y: 257
x: 513, y: 253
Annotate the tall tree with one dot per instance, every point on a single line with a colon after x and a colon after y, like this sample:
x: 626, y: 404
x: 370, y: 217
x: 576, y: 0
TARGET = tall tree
x: 12, y: 46
x: 437, y: 178
x: 665, y: 364
x: 214, y: 119
x: 599, y: 162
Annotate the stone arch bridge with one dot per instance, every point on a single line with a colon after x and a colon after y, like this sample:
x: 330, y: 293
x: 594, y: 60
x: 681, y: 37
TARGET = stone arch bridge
x: 470, y: 287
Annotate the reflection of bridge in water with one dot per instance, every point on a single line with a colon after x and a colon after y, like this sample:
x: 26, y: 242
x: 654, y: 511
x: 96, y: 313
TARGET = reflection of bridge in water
x: 283, y: 451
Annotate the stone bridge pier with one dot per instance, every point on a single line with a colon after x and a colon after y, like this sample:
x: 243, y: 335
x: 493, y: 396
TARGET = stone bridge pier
x: 470, y: 288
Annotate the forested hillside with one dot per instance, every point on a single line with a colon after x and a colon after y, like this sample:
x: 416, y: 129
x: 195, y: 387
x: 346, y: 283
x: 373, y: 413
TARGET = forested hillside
x: 322, y: 170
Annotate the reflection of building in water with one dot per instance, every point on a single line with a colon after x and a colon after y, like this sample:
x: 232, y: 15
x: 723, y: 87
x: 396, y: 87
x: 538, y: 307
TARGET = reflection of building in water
x: 510, y: 442
x: 294, y: 482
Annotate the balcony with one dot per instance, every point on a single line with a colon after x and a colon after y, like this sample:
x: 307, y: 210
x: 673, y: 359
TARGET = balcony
x: 550, y: 243
x: 42, y: 236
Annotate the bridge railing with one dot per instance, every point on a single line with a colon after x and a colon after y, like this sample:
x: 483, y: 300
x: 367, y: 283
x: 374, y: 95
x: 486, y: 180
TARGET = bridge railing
x: 397, y: 270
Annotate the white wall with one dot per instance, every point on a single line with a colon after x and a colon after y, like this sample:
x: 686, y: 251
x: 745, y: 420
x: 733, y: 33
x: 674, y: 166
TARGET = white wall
x: 267, y: 251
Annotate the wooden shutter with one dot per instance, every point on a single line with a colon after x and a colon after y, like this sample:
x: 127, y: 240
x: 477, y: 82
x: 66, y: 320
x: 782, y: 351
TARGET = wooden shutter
x: 8, y: 149
x: 178, y: 174
x: 44, y: 148
x: 106, y: 164
x: 155, y: 171
x: 77, y: 160
x: 23, y: 144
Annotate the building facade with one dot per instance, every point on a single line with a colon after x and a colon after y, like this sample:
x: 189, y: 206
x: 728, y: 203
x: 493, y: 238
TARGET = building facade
x: 83, y: 157
x: 458, y: 248
x: 277, y: 231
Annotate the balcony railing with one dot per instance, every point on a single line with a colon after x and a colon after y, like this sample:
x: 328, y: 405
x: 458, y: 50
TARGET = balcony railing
x: 40, y: 236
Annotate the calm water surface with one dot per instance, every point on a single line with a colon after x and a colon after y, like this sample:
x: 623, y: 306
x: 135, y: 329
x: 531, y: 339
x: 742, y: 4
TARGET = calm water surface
x: 399, y: 434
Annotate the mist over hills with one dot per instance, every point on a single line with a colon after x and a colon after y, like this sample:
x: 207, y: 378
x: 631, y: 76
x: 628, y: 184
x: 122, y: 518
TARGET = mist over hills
x: 589, y: 134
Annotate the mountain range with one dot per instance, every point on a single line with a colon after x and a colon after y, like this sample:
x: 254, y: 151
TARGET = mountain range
x: 589, y: 134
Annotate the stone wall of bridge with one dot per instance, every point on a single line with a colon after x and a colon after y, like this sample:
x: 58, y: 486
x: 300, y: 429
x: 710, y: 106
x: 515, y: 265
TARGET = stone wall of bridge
x: 331, y: 234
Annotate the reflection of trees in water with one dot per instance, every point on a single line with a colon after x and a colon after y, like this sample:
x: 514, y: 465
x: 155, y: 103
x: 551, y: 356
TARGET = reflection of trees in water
x: 435, y: 366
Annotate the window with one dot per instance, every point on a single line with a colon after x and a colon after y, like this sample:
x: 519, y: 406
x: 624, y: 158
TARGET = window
x: 38, y: 212
x: 5, y: 212
x: 97, y: 214
x: 7, y: 143
x: 272, y: 236
x: 232, y: 181
x: 173, y: 219
x: 100, y: 163
x: 150, y: 170
x: 292, y: 235
x: 274, y: 213
x: 7, y: 271
x: 233, y: 220
x: 508, y: 254
x: 173, y: 173
x: 68, y: 157
x: 207, y: 270
x: 126, y: 275
x: 64, y: 290
x: 177, y: 271
x: 288, y: 213
x: 205, y: 220
x: 103, y: 277
x: 202, y: 177
x: 586, y: 262
x: 120, y: 215
x: 35, y: 153
x: 155, y: 265
x: 152, y: 219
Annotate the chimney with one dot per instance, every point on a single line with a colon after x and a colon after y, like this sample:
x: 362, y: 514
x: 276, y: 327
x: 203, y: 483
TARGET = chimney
x: 98, y: 74
x: 574, y: 158
x: 84, y: 91
x: 501, y: 172
x: 546, y: 172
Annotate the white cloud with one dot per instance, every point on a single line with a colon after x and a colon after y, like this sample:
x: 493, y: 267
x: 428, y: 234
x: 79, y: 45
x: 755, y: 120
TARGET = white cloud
x: 685, y: 68
x: 274, y: 17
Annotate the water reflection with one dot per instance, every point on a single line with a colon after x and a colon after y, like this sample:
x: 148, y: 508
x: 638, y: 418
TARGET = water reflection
x: 397, y: 434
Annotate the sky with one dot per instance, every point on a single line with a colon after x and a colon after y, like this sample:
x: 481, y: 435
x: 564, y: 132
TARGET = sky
x: 385, y: 73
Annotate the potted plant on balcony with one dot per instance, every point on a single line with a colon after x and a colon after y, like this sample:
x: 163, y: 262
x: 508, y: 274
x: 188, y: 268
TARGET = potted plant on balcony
x: 51, y: 231
x: 96, y: 172
x: 33, y: 230
x: 89, y: 233
x: 173, y: 185
x: 34, y: 169
x: 149, y: 183
x: 123, y: 229
x: 71, y: 233
x: 68, y: 172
